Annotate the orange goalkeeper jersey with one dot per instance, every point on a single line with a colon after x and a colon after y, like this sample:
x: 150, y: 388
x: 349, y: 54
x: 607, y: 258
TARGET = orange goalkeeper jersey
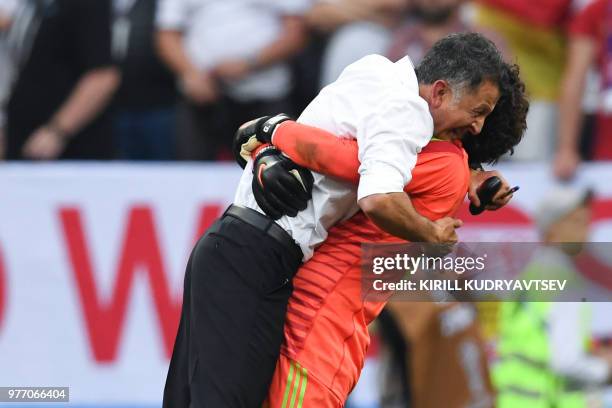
x: 327, y: 317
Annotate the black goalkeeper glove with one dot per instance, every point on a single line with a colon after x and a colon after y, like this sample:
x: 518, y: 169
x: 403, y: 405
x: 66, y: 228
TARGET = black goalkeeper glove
x: 280, y: 186
x: 254, y: 134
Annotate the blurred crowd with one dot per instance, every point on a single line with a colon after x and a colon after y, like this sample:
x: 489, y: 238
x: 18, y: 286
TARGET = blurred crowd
x: 173, y: 79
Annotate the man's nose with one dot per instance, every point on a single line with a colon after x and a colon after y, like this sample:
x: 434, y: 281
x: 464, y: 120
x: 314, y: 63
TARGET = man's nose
x: 476, y: 126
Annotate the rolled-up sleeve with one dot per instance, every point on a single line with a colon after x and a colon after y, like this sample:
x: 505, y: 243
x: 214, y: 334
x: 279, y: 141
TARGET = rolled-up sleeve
x: 171, y: 14
x: 389, y: 139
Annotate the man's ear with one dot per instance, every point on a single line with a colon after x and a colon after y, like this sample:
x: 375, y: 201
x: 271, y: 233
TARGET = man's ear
x: 440, y: 92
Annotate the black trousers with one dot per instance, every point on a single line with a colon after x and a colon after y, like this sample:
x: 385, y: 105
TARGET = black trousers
x: 237, y: 286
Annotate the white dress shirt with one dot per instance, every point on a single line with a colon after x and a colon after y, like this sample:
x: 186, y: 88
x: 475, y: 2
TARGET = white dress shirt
x: 219, y: 30
x: 376, y: 102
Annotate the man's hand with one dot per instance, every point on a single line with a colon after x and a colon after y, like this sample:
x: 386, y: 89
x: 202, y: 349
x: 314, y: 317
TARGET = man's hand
x: 280, y: 186
x: 232, y: 70
x: 565, y: 163
x: 44, y: 144
x: 253, y: 134
x: 446, y: 229
x: 499, y: 200
x: 446, y: 237
x: 199, y: 87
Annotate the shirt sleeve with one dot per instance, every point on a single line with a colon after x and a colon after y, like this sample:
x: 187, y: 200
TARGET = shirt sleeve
x: 91, y: 20
x: 588, y: 21
x: 389, y: 139
x: 568, y: 356
x: 171, y: 14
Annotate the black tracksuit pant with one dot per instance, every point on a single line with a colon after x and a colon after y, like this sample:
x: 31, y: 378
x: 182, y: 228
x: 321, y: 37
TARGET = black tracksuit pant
x: 237, y: 286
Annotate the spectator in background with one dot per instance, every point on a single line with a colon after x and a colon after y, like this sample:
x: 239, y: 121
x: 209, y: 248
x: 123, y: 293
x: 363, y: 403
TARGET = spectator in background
x: 145, y: 117
x: 430, y: 21
x: 590, y: 39
x: 543, y: 349
x: 231, y: 61
x: 64, y: 80
x: 357, y: 27
x: 534, y: 34
x: 7, y: 8
x: 433, y: 347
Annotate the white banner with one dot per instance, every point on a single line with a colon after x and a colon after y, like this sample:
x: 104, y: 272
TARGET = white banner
x: 92, y: 258
x: 92, y: 263
x: 515, y: 223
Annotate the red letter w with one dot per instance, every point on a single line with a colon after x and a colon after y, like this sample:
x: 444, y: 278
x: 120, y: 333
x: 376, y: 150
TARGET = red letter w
x: 140, y: 251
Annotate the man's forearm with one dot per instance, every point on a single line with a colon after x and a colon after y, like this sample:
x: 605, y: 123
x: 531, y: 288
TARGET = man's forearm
x: 171, y: 50
x: 571, y: 117
x: 289, y: 43
x: 89, y: 97
x: 581, y: 52
x: 395, y: 214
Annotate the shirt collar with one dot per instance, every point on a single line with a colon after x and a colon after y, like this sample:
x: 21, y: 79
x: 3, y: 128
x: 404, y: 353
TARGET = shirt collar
x: 406, y: 73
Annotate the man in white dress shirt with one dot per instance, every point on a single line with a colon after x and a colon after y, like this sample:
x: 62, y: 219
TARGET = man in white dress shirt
x: 238, y: 279
x: 231, y: 59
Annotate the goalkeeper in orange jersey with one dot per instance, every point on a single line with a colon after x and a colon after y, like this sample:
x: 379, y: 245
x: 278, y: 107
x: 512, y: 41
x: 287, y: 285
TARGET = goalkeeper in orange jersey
x: 326, y: 334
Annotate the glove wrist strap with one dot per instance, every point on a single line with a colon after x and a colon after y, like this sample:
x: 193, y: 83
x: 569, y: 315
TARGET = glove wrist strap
x: 269, y: 126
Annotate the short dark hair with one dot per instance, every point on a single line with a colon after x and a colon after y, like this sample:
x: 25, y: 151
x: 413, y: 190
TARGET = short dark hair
x: 466, y: 60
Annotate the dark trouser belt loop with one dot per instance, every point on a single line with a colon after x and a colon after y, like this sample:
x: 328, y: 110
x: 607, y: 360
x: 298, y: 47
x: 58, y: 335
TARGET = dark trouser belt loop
x: 266, y: 225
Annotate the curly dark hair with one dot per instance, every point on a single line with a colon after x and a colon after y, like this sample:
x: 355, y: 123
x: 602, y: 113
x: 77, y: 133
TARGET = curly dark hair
x: 504, y: 127
x: 465, y: 61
